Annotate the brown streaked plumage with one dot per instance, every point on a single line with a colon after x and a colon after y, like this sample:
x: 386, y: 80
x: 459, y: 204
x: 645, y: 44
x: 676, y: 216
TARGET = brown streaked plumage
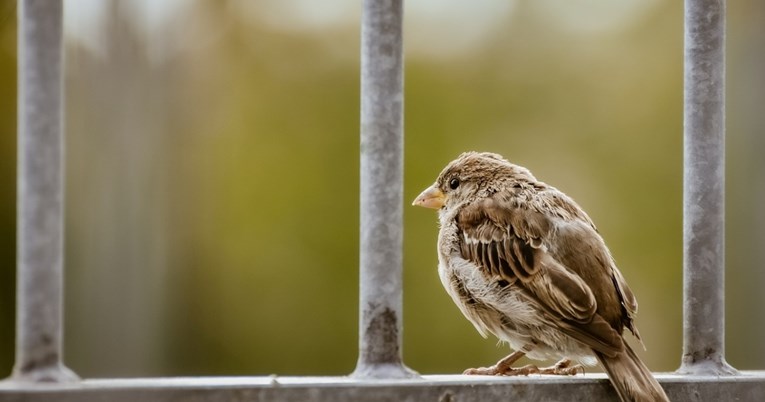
x: 524, y: 262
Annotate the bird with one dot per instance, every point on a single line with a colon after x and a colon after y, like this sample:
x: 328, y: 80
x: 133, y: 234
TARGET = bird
x: 524, y: 262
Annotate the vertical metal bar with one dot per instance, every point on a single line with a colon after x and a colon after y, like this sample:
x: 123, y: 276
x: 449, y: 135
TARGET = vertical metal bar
x: 704, y: 189
x: 381, y: 238
x: 40, y: 194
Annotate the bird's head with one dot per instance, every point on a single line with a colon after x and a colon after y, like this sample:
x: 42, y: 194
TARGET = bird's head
x: 472, y: 175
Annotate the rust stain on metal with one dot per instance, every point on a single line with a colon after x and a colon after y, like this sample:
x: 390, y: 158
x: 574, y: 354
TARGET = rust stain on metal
x: 383, y: 337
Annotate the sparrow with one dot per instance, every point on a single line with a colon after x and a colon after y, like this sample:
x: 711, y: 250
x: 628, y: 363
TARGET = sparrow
x: 524, y: 262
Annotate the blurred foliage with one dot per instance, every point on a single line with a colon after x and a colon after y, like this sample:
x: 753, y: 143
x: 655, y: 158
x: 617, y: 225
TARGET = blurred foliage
x: 7, y: 182
x: 212, y: 193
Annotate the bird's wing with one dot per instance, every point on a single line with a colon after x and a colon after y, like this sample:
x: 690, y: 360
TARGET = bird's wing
x: 506, y: 242
x: 586, y: 254
x: 628, y: 301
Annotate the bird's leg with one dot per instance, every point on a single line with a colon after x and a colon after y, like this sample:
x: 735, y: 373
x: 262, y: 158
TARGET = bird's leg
x: 504, y: 366
x: 563, y: 367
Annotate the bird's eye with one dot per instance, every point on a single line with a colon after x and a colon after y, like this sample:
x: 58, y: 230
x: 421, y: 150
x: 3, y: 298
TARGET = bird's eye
x: 454, y: 183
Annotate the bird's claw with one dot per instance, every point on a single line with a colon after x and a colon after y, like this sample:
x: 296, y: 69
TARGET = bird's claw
x: 563, y: 367
x: 481, y: 371
x: 503, y: 371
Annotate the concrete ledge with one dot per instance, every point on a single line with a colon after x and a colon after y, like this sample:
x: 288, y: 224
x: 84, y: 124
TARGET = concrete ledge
x: 748, y: 386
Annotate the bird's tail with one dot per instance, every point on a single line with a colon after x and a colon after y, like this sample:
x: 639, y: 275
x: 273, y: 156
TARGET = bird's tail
x: 631, y: 378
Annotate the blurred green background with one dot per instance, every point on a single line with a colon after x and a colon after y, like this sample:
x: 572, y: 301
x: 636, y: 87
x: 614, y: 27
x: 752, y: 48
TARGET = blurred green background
x: 212, y: 167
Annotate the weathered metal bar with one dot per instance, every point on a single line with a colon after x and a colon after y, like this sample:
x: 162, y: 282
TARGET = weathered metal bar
x: 40, y: 194
x: 748, y: 387
x: 704, y: 189
x: 381, y: 237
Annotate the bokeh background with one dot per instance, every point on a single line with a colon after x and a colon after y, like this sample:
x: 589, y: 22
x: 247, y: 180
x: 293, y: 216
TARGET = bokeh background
x: 212, y: 171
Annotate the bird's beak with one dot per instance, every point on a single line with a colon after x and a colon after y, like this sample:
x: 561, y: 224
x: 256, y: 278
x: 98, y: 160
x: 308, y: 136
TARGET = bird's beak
x: 432, y: 197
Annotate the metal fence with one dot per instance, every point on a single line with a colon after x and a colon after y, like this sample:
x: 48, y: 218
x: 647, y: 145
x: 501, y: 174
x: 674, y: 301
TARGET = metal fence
x: 39, y: 372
